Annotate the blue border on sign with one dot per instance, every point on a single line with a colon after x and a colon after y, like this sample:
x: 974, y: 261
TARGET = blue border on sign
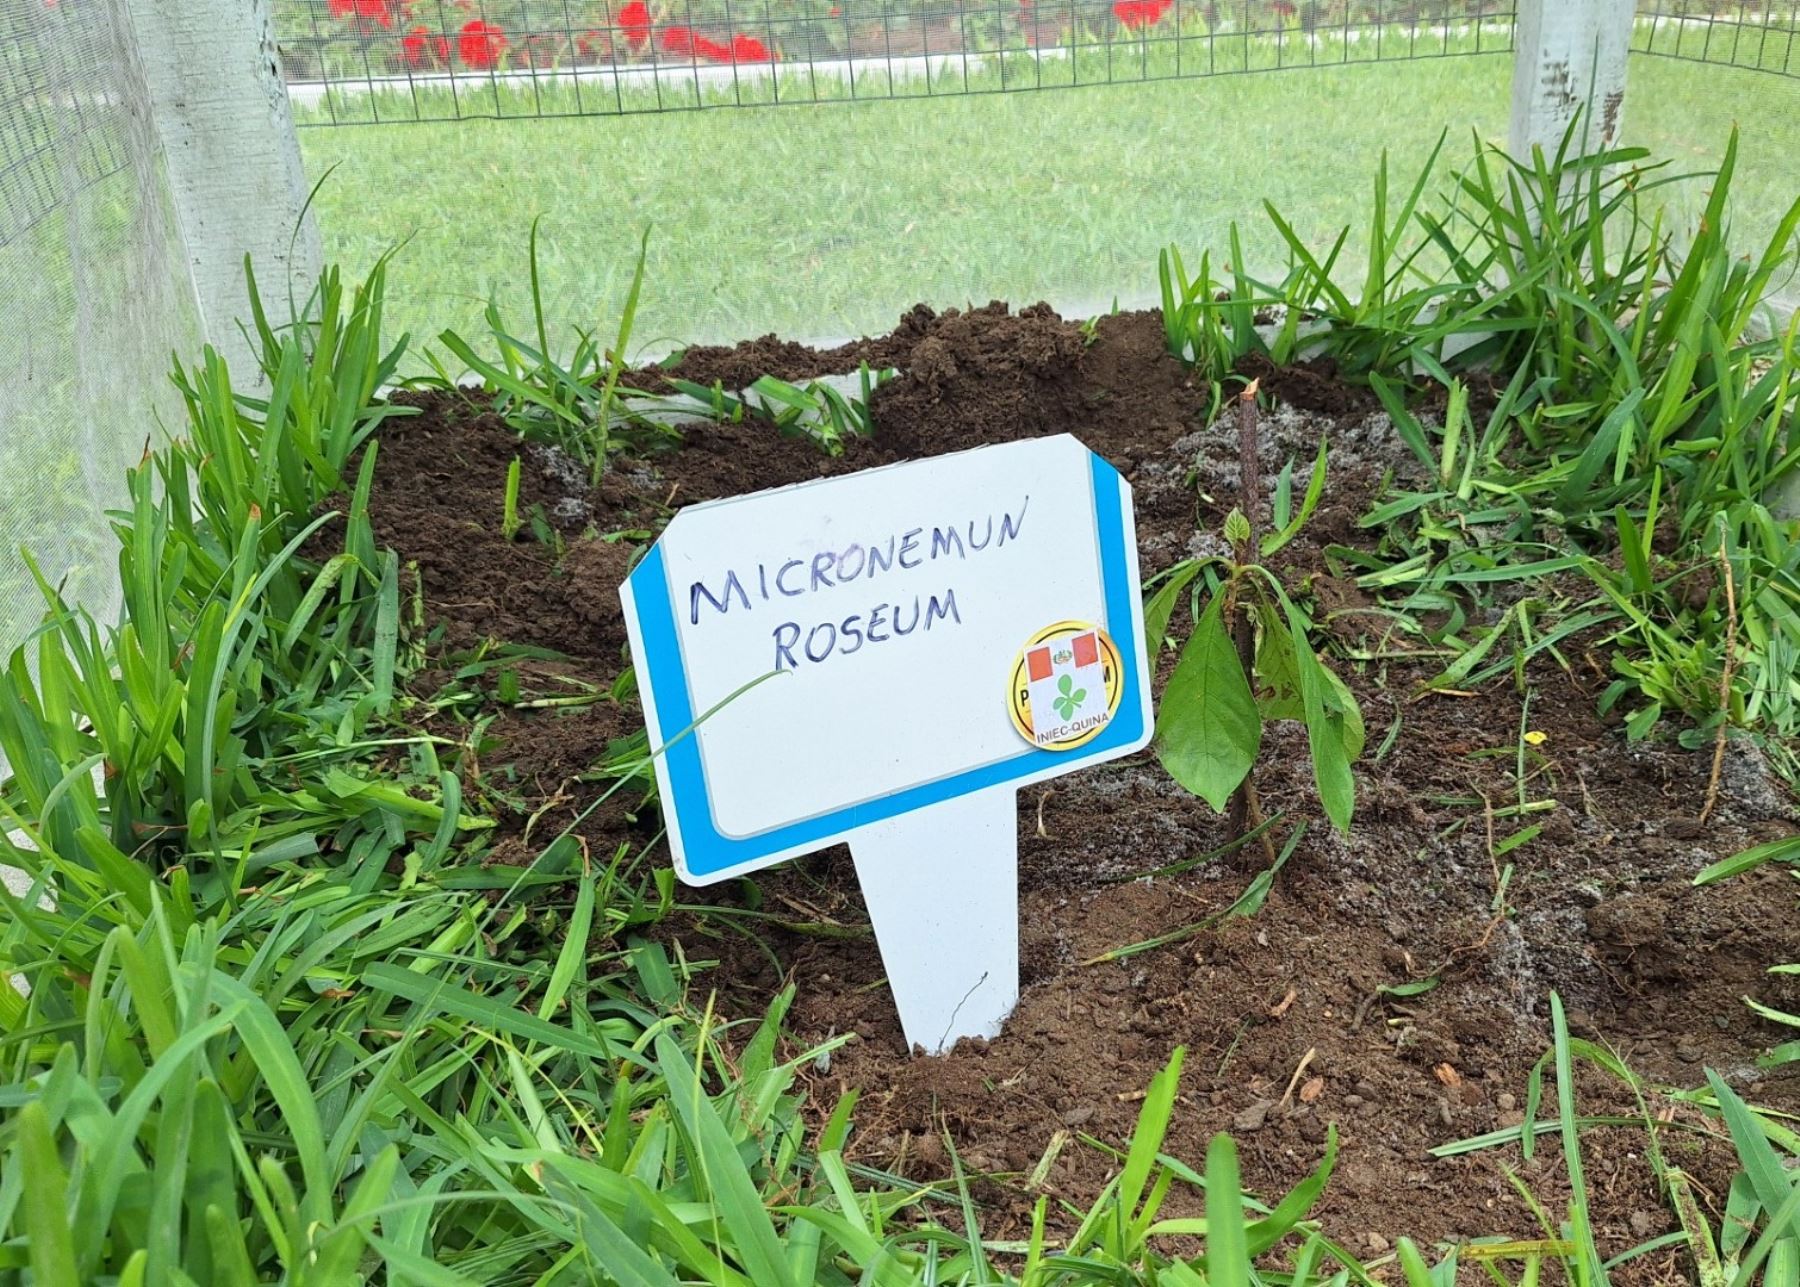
x: 707, y: 852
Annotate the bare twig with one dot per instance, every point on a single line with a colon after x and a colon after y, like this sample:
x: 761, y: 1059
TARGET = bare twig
x: 1287, y: 1097
x: 1726, y: 674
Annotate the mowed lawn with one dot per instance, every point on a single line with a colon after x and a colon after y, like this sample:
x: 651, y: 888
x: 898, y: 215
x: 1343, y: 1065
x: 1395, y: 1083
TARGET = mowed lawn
x: 828, y: 220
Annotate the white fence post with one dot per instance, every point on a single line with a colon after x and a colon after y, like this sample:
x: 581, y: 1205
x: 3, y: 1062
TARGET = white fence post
x: 221, y: 112
x: 1567, y: 54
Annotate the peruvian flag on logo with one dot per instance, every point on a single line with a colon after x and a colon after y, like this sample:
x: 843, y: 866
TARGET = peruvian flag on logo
x: 1066, y: 684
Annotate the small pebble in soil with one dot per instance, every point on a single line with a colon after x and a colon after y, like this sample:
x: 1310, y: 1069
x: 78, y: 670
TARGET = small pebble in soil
x: 1253, y: 1117
x: 1505, y: 1101
x: 1377, y: 1245
x: 928, y: 1149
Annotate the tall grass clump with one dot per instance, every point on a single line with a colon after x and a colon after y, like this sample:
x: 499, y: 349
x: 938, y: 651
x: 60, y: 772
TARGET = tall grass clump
x: 574, y: 403
x: 1617, y: 410
x: 1755, y: 1237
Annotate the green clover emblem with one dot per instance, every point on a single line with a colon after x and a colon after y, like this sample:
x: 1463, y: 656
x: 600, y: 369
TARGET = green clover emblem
x: 1071, y: 698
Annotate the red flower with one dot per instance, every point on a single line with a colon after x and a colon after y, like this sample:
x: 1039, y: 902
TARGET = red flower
x: 712, y: 50
x: 634, y: 21
x: 364, y: 11
x: 419, y: 48
x: 685, y: 42
x: 748, y: 49
x: 1136, y: 14
x: 480, y: 44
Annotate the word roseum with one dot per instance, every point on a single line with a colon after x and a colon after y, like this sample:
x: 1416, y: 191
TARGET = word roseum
x: 887, y: 557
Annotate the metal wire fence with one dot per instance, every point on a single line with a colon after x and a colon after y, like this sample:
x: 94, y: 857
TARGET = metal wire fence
x: 59, y: 129
x: 1763, y: 35
x: 368, y: 61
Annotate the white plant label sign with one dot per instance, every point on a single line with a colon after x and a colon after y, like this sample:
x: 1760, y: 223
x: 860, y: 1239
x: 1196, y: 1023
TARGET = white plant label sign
x: 930, y: 637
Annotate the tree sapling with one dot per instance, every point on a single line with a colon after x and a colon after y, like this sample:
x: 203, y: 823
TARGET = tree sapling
x: 1209, y: 728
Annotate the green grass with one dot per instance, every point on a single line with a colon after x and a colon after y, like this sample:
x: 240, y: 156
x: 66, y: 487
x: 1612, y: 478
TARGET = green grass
x: 829, y: 220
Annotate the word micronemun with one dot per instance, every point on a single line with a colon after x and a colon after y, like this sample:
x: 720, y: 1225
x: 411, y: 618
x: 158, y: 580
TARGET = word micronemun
x: 796, y: 642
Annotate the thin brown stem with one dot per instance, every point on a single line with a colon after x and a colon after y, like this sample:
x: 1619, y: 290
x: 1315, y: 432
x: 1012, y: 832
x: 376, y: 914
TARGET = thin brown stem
x: 1249, y: 468
x: 1246, y: 807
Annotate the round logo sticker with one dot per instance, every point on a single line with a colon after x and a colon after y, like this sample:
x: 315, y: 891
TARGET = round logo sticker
x: 1065, y: 685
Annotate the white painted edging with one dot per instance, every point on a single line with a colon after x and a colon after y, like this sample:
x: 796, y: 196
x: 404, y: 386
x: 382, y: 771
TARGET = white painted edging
x: 674, y: 77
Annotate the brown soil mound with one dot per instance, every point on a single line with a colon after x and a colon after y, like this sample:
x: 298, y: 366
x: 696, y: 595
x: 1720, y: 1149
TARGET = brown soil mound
x: 1599, y: 906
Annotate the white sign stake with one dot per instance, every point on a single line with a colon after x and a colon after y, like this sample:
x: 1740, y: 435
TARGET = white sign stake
x: 942, y: 885
x: 883, y: 659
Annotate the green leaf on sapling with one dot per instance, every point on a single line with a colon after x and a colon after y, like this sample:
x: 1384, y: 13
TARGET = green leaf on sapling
x: 1327, y: 730
x: 1340, y: 699
x: 1277, y: 673
x: 1161, y: 605
x: 1208, y: 731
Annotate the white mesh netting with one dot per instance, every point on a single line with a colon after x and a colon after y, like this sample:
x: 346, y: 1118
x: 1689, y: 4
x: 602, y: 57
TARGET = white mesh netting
x: 95, y: 289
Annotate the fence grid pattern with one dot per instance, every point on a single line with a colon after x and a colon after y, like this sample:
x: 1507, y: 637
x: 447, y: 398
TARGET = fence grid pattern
x: 1763, y: 35
x: 379, y: 61
x: 59, y: 128
x: 373, y: 61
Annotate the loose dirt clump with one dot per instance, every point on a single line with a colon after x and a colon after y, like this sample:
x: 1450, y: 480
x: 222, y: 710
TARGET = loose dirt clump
x: 1406, y: 967
x: 737, y: 366
x: 1311, y: 386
